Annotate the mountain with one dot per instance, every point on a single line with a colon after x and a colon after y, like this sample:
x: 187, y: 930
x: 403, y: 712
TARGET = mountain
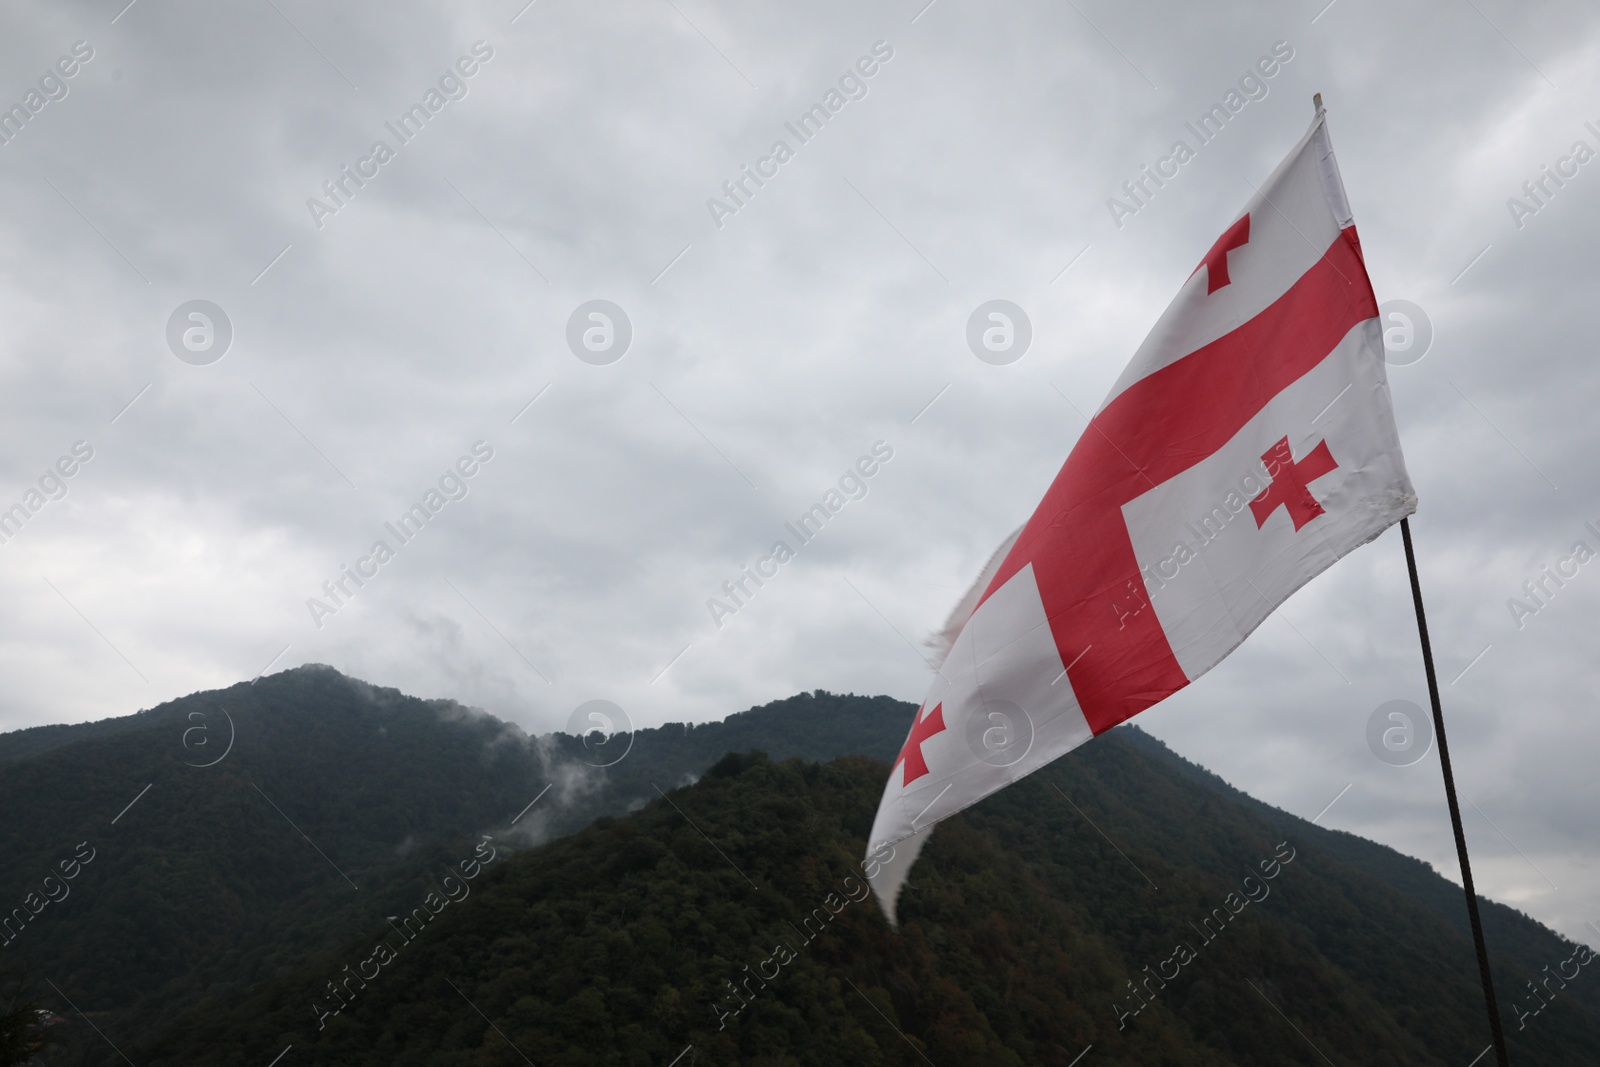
x: 605, y: 923
x: 192, y: 881
x: 728, y: 918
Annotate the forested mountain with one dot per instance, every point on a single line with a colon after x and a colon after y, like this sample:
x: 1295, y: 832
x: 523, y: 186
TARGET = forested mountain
x: 238, y: 909
x: 332, y: 805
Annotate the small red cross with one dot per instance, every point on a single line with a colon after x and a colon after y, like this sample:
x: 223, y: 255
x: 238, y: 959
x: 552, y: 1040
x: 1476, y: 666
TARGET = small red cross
x: 1289, y: 482
x: 1216, y: 261
x: 911, y: 752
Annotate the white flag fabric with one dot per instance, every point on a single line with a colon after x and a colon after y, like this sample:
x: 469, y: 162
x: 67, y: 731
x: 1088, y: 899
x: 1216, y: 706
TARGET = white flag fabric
x: 1249, y: 444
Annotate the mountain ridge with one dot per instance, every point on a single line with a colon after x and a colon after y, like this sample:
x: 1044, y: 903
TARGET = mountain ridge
x: 333, y: 784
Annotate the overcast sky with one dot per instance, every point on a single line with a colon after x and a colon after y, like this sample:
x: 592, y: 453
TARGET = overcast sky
x: 378, y: 335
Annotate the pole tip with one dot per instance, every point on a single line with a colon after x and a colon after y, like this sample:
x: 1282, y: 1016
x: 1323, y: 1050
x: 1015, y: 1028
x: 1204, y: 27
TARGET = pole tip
x: 1316, y: 102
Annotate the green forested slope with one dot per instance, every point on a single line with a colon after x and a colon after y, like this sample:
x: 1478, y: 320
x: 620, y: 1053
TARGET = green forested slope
x: 1513, y: 937
x: 217, y: 906
x: 220, y: 877
x: 1021, y: 930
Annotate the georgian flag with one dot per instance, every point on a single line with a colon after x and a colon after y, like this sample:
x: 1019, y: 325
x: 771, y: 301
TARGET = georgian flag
x: 1249, y: 444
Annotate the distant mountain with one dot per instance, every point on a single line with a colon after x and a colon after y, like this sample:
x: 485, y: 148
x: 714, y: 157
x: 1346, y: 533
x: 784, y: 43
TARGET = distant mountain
x: 1103, y: 903
x: 216, y: 919
x: 218, y: 877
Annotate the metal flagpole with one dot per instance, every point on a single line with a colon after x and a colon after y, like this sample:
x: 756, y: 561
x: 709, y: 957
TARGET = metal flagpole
x: 1450, y: 785
x: 1455, y: 808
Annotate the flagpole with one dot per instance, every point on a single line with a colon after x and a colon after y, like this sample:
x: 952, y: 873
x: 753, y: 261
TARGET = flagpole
x: 1455, y: 808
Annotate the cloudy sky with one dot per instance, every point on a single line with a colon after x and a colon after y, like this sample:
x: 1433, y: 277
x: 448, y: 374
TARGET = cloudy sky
x: 358, y: 344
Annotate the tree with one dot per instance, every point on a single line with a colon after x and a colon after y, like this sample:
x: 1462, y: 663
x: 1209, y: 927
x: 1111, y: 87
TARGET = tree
x: 22, y: 1032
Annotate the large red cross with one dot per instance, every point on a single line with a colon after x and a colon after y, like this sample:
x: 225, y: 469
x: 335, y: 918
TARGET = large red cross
x: 923, y: 728
x: 1216, y: 261
x: 1077, y: 541
x: 1289, y: 483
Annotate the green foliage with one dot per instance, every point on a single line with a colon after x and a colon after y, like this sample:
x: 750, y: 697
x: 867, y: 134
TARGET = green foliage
x: 1023, y: 924
x: 22, y: 1030
x: 207, y: 925
x: 222, y: 877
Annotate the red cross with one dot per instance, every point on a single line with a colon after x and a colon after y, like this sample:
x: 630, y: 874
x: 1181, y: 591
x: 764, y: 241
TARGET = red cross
x: 1077, y: 541
x: 1289, y: 481
x: 911, y: 752
x: 1216, y: 261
